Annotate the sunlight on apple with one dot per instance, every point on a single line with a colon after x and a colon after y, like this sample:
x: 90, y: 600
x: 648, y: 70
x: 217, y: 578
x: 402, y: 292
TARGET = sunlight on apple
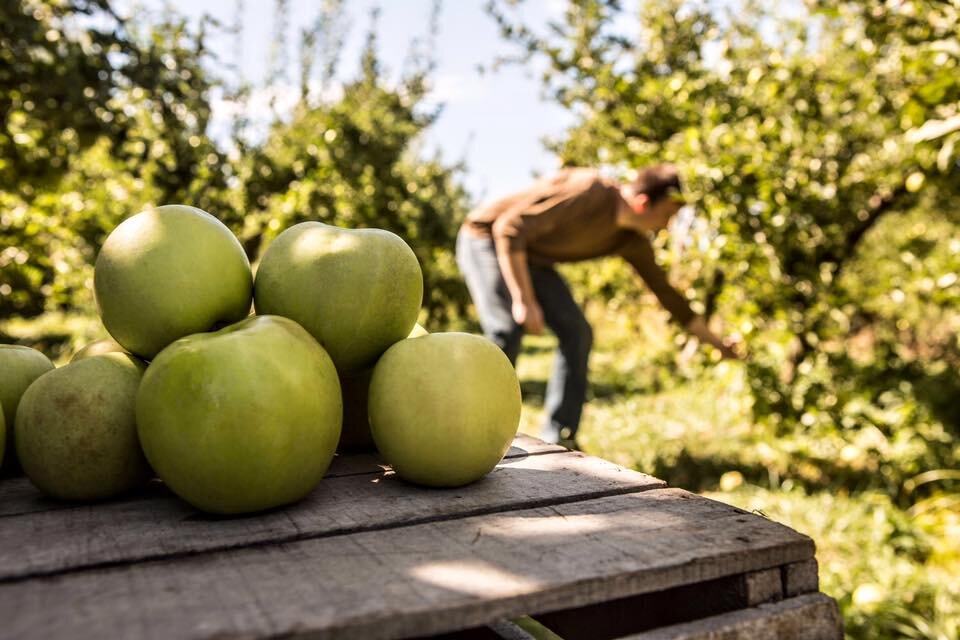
x: 307, y: 246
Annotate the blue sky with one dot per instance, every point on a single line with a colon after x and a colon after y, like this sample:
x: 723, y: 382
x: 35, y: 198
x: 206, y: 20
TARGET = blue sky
x: 495, y: 120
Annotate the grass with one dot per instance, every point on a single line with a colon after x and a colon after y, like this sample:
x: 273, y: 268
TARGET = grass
x: 893, y: 574
x: 893, y: 571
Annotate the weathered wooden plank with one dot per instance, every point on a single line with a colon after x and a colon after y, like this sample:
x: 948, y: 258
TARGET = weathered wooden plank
x: 18, y: 496
x: 414, y: 580
x: 763, y: 586
x: 507, y: 630
x: 812, y: 616
x: 477, y: 633
x: 66, y: 539
x: 800, y: 578
x: 502, y: 630
x: 523, y: 628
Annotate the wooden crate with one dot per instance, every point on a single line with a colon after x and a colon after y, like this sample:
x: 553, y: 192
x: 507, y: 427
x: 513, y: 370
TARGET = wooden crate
x: 588, y: 548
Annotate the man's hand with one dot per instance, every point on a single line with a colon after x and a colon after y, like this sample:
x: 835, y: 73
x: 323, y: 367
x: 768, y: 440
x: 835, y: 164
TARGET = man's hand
x: 729, y: 349
x: 529, y: 315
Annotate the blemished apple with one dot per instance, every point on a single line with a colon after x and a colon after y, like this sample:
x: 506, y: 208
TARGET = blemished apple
x: 76, y: 431
x: 355, y: 435
x: 242, y: 419
x: 169, y: 272
x: 19, y: 367
x: 444, y: 408
x: 98, y: 348
x: 357, y: 291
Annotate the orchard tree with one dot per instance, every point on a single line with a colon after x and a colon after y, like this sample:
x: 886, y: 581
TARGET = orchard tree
x: 106, y: 115
x: 797, y: 137
x: 918, y: 39
x: 353, y: 160
x: 101, y: 116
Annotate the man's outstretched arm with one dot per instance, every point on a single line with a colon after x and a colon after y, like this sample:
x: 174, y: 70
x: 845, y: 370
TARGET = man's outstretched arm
x: 640, y: 254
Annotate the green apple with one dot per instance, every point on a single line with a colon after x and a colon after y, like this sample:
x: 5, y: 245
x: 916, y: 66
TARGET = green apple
x: 355, y: 435
x: 169, y: 272
x: 19, y: 366
x: 243, y: 419
x: 3, y: 434
x: 77, y: 432
x: 100, y: 347
x: 444, y: 408
x: 357, y: 291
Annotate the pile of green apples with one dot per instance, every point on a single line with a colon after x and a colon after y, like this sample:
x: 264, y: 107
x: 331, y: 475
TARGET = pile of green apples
x: 235, y: 412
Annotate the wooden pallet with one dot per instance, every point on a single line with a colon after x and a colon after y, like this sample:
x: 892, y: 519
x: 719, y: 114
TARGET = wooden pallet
x: 588, y: 548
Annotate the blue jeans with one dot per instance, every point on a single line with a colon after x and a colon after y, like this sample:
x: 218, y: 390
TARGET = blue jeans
x: 567, y: 388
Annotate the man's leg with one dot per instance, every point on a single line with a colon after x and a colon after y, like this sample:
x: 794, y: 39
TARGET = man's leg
x: 567, y: 389
x: 477, y: 259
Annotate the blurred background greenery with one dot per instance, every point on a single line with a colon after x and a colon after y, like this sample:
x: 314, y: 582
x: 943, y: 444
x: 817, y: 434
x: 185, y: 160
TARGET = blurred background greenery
x: 820, y: 148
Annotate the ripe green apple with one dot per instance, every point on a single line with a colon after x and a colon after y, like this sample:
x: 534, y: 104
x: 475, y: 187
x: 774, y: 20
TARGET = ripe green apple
x: 100, y: 347
x: 357, y: 291
x: 242, y: 419
x: 355, y: 435
x: 168, y: 272
x: 19, y: 366
x: 77, y: 431
x: 444, y: 408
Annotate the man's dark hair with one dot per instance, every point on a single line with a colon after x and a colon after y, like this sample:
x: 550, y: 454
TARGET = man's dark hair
x: 656, y: 181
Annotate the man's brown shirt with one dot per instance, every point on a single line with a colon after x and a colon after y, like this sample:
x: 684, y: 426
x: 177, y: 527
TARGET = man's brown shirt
x: 569, y: 217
